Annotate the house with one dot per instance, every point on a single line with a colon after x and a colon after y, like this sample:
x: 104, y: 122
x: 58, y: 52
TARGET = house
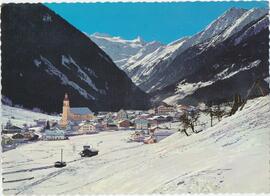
x: 141, y: 123
x: 124, y: 124
x: 102, y: 113
x: 164, y: 109
x: 151, y: 111
x: 109, y: 116
x: 19, y: 138
x: 122, y: 115
x: 41, y: 122
x: 146, y: 115
x: 12, y: 129
x: 111, y: 127
x: 54, y: 134
x: 74, y: 113
x: 30, y: 135
x: 181, y: 108
x: 87, y: 128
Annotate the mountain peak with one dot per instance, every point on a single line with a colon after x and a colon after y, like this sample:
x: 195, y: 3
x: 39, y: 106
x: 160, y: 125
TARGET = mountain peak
x: 236, y: 9
x: 139, y: 39
x: 101, y: 34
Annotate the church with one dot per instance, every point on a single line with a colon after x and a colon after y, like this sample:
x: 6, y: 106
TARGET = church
x: 75, y: 113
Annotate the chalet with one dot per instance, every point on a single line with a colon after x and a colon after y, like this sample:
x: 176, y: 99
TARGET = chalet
x: 164, y: 109
x: 54, y: 134
x: 75, y: 113
x: 122, y: 115
x: 124, y: 124
x: 87, y: 128
x: 141, y: 123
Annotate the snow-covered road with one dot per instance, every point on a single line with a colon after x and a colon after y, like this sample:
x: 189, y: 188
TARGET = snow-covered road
x: 232, y: 156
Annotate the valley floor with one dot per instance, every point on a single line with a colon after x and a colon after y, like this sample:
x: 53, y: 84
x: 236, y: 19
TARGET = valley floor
x: 232, y: 156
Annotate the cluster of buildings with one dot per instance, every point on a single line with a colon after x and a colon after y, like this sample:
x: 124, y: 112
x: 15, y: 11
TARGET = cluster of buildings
x: 81, y: 120
x: 13, y: 135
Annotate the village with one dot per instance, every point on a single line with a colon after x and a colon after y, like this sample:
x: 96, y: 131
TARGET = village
x: 145, y: 126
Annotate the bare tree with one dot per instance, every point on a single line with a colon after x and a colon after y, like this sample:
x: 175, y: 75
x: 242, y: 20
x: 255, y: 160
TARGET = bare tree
x: 209, y: 111
x: 189, y: 120
x: 218, y: 112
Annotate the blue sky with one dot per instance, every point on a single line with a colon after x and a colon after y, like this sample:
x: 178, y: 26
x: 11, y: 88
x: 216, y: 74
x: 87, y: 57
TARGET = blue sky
x: 164, y: 22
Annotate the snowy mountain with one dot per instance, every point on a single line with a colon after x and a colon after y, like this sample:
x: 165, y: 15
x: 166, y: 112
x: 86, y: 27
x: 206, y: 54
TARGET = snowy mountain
x: 43, y: 56
x: 123, y: 52
x: 192, y: 68
x: 150, y: 77
x: 147, y: 62
x: 231, y: 156
x: 216, y: 70
x: 231, y: 22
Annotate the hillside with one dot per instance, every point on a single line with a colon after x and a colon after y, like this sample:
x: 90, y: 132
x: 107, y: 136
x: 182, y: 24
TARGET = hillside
x: 231, y: 157
x: 43, y: 56
x: 19, y: 116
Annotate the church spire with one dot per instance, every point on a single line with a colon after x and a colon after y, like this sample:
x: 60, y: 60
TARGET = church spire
x: 66, y: 97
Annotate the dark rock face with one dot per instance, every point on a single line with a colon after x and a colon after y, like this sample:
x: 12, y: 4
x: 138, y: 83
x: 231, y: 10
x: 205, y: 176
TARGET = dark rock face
x: 242, y: 59
x: 43, y: 56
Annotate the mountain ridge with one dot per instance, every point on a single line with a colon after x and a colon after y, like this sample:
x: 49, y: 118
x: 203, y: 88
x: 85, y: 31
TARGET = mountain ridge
x: 40, y: 50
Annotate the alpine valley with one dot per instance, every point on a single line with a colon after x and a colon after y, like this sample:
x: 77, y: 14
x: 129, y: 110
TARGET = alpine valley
x: 225, y: 58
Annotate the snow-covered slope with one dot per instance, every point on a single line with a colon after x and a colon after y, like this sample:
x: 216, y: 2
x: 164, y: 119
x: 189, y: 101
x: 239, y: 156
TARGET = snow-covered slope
x: 231, y: 157
x: 248, y: 17
x: 123, y: 51
x: 217, y: 72
x: 231, y: 22
x: 19, y: 116
x: 143, y: 68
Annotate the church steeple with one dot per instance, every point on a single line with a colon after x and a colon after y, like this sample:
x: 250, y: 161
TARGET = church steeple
x: 66, y: 101
x: 65, y: 113
x: 66, y: 97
